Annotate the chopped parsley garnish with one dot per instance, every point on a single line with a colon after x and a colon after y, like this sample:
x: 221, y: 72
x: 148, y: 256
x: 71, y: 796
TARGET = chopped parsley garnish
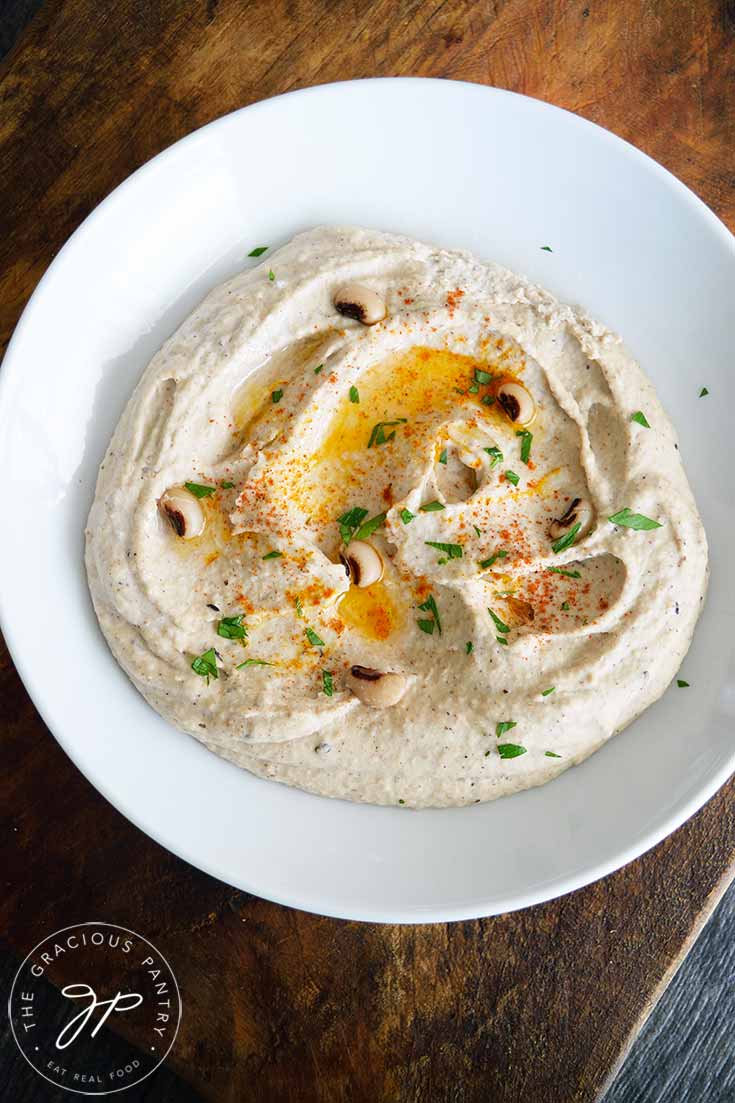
x: 379, y: 435
x: 512, y: 477
x: 682, y: 684
x: 258, y: 251
x: 271, y: 275
x: 253, y: 662
x: 458, y: 390
x: 526, y: 441
x: 546, y: 249
x: 501, y: 627
x: 232, y: 628
x: 473, y: 389
x: 640, y: 417
x: 567, y: 539
x: 565, y: 606
x: 276, y: 396
x: 327, y: 683
x: 477, y: 530
x: 226, y: 485
x: 482, y: 376
x: 200, y: 491
x: 369, y: 527
x: 452, y: 551
x: 503, y: 727
x: 469, y: 647
x: 510, y: 750
x: 401, y: 801
x: 350, y: 522
x: 443, y: 456
x: 560, y: 570
x: 629, y: 520
x: 487, y: 400
x: 546, y: 692
x: 703, y: 392
x: 318, y: 368
x: 351, y: 525
x: 552, y: 754
x: 500, y: 554
x: 206, y: 665
x: 495, y: 455
x: 431, y: 507
x: 502, y: 639
x: 406, y: 516
x: 313, y: 639
x: 273, y: 555
x: 299, y: 608
x: 354, y: 394
x: 429, y: 606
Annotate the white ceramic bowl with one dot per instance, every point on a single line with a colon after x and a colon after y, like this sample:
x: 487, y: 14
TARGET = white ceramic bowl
x: 457, y: 164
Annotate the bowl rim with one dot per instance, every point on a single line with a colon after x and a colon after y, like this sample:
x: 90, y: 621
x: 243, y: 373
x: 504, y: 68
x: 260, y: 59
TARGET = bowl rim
x: 34, y: 683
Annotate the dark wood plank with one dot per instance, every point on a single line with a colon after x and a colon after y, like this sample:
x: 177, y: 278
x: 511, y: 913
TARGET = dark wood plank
x: 19, y: 1083
x: 686, y: 1051
x: 535, y: 1006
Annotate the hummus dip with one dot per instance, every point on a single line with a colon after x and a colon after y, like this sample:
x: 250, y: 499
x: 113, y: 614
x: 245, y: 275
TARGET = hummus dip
x: 388, y: 523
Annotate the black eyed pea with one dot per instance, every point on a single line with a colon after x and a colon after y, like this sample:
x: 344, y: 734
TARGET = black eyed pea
x: 362, y: 562
x: 375, y: 688
x: 516, y: 403
x: 579, y: 512
x: 355, y: 300
x: 182, y: 511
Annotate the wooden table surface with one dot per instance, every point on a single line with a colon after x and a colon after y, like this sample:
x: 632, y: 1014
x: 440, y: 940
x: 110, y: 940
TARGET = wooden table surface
x: 539, y: 1005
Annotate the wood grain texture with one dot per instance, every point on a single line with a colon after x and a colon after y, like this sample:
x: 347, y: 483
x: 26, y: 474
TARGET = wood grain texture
x: 279, y: 1005
x: 686, y: 1051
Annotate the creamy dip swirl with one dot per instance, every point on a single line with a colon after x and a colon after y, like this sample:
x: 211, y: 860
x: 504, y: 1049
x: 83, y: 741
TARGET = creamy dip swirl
x: 284, y: 416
